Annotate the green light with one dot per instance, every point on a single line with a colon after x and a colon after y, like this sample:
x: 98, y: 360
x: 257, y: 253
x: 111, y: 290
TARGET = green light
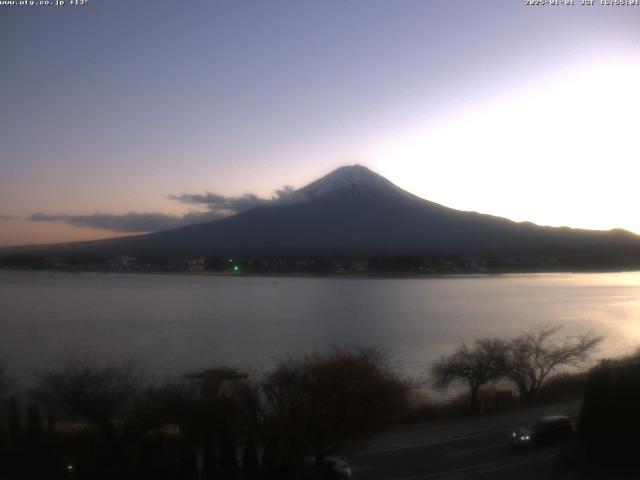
x: 236, y: 268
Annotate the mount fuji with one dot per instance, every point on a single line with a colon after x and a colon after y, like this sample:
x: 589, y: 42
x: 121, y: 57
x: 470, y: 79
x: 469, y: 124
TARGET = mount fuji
x: 353, y: 210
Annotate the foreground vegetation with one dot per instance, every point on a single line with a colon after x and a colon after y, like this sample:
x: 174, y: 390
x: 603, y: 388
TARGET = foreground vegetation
x: 527, y: 361
x: 103, y: 421
x: 610, y: 418
x: 95, y: 421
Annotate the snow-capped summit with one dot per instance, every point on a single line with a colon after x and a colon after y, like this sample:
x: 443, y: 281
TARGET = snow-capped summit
x: 352, y: 180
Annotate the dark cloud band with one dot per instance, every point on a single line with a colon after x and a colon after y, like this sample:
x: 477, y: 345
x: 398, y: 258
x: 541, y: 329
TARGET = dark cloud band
x: 218, y: 206
x: 248, y: 201
x: 129, y: 222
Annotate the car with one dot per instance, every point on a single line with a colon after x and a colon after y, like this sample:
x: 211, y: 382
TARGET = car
x: 545, y: 431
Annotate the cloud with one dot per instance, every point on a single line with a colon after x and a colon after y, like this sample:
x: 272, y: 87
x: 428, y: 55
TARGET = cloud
x: 4, y: 216
x: 287, y: 195
x: 230, y: 205
x: 218, y: 206
x: 215, y: 202
x: 128, y: 222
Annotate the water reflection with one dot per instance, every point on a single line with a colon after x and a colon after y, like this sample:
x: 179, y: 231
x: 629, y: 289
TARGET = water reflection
x: 170, y: 324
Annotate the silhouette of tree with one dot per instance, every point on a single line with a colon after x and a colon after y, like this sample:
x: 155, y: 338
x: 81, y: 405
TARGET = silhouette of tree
x: 269, y: 464
x: 15, y: 452
x: 16, y: 432
x: 110, y: 397
x: 209, y: 458
x: 534, y: 356
x: 98, y: 394
x: 54, y: 465
x: 51, y: 431
x: 485, y: 361
x: 250, y: 463
x: 229, y: 469
x: 188, y: 465
x: 35, y: 428
x: 5, y: 382
x: 36, y: 464
x: 324, y: 404
x: 609, y: 418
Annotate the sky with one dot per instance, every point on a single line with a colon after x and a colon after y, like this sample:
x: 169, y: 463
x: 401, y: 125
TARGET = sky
x: 122, y: 117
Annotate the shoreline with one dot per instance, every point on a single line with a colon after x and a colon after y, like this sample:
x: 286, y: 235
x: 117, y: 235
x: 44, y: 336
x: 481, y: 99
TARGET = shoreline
x: 371, y: 276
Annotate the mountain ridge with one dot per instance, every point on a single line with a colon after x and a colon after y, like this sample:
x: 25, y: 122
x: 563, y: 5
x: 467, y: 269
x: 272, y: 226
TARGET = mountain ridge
x: 353, y: 210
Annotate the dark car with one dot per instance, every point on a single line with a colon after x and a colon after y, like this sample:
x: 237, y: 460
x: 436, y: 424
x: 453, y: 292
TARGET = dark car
x: 545, y: 431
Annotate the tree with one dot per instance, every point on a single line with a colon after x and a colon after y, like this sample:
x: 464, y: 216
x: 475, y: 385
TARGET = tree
x: 209, y: 458
x: 37, y: 464
x: 187, y: 462
x: 609, y: 417
x: 53, y: 462
x: 229, y: 469
x: 35, y: 427
x: 15, y: 424
x: 325, y: 404
x: 534, y: 356
x: 250, y: 462
x: 13, y: 465
x: 5, y: 382
x: 269, y: 463
x: 101, y: 395
x: 108, y: 397
x: 483, y: 362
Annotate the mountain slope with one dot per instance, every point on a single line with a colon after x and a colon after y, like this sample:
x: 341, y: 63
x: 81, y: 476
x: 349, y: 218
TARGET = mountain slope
x: 355, y: 211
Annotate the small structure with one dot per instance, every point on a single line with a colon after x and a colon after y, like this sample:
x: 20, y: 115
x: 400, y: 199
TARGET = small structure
x: 217, y: 382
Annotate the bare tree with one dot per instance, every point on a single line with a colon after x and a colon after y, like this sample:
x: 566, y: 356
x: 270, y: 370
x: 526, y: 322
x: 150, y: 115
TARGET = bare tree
x: 325, y: 403
x: 475, y: 366
x: 101, y: 395
x: 5, y: 381
x: 116, y: 401
x: 535, y: 355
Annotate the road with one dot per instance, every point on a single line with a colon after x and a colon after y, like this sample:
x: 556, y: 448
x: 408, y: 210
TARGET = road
x: 475, y: 448
x: 483, y: 456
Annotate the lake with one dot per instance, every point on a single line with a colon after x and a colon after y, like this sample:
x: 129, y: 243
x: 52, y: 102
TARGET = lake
x: 171, y: 324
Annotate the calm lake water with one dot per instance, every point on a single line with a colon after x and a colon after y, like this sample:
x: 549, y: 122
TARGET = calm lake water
x: 170, y: 324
